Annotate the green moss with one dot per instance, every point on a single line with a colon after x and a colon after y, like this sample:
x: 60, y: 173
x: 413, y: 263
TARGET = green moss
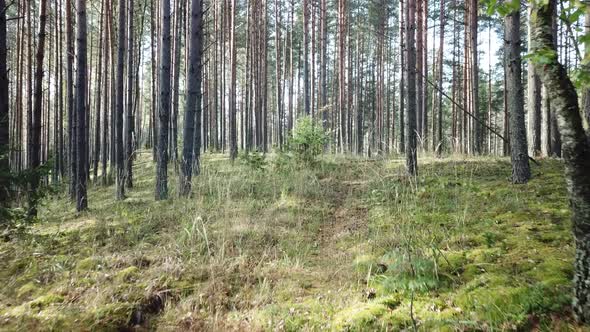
x: 46, y: 300
x: 360, y: 316
x: 88, y: 264
x: 128, y: 274
x: 27, y: 290
x: 112, y: 316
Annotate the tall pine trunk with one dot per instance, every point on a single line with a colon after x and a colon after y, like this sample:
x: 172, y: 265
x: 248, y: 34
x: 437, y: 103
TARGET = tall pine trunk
x: 521, y: 172
x: 37, y: 121
x: 70, y: 98
x: 119, y: 139
x: 411, y: 131
x: 81, y: 94
x: 533, y: 103
x: 193, y: 100
x: 4, y: 119
x: 164, y: 109
x: 129, y: 108
x: 233, y: 130
x: 98, y: 100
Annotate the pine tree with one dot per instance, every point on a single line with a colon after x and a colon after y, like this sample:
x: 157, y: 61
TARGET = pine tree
x: 81, y: 93
x: 164, y: 109
x: 521, y: 172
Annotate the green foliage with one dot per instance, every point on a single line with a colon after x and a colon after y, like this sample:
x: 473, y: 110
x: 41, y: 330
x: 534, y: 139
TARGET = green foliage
x: 503, y: 8
x: 14, y: 219
x: 308, y: 141
x: 254, y: 160
x: 542, y: 56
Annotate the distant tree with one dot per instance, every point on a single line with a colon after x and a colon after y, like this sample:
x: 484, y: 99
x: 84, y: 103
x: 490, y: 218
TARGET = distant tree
x: 107, y: 97
x: 233, y: 130
x: 164, y: 109
x: 533, y: 104
x: 4, y: 113
x: 576, y: 146
x: 119, y: 141
x: 70, y: 52
x: 192, y: 110
x: 129, y: 133
x: 81, y: 92
x: 521, y: 171
x: 35, y: 147
x: 98, y: 99
x: 410, y: 73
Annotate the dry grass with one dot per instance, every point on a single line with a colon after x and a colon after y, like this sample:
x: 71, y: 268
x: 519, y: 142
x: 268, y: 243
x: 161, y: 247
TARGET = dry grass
x: 301, y: 249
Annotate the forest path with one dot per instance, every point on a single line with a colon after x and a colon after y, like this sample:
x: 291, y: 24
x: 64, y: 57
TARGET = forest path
x: 342, y: 236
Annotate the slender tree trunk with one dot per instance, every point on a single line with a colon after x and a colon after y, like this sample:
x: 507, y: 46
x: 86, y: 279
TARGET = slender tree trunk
x: 324, y: 62
x: 342, y: 23
x: 533, y: 103
x: 521, y: 172
x: 440, y: 146
x: 81, y: 93
x: 179, y: 15
x: 98, y: 100
x: 586, y: 65
x: 278, y: 92
x: 119, y: 139
x: 164, y: 110
x: 70, y: 98
x: 402, y: 84
x: 35, y: 148
x: 411, y: 132
x: 576, y: 150
x: 478, y: 144
x: 57, y: 99
x: 306, y: 84
x: 233, y: 130
x: 106, y: 101
x: 129, y: 107
x: 193, y: 100
x: 154, y: 102
x: 4, y: 112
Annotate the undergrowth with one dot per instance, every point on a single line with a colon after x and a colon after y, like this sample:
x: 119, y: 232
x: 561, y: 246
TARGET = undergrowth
x: 348, y: 244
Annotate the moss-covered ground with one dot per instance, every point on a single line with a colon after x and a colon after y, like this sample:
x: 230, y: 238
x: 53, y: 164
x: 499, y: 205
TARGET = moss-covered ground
x: 351, y: 244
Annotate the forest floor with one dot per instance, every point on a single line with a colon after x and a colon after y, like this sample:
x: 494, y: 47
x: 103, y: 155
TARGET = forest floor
x: 351, y: 244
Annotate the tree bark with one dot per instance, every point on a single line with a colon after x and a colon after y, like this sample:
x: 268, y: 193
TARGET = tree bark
x: 576, y: 149
x: 478, y: 144
x: 411, y: 131
x: 193, y: 100
x: 4, y: 112
x: 402, y: 84
x: 521, y: 172
x: 81, y: 94
x: 129, y: 108
x: 164, y: 110
x: 70, y: 98
x: 534, y: 104
x: 233, y: 130
x: 119, y: 139
x: 98, y: 100
x: 440, y: 145
x: 106, y: 101
x: 35, y: 147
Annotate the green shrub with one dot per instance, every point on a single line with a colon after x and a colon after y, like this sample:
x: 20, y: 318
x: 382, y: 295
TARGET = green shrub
x: 308, y: 140
x: 254, y: 160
